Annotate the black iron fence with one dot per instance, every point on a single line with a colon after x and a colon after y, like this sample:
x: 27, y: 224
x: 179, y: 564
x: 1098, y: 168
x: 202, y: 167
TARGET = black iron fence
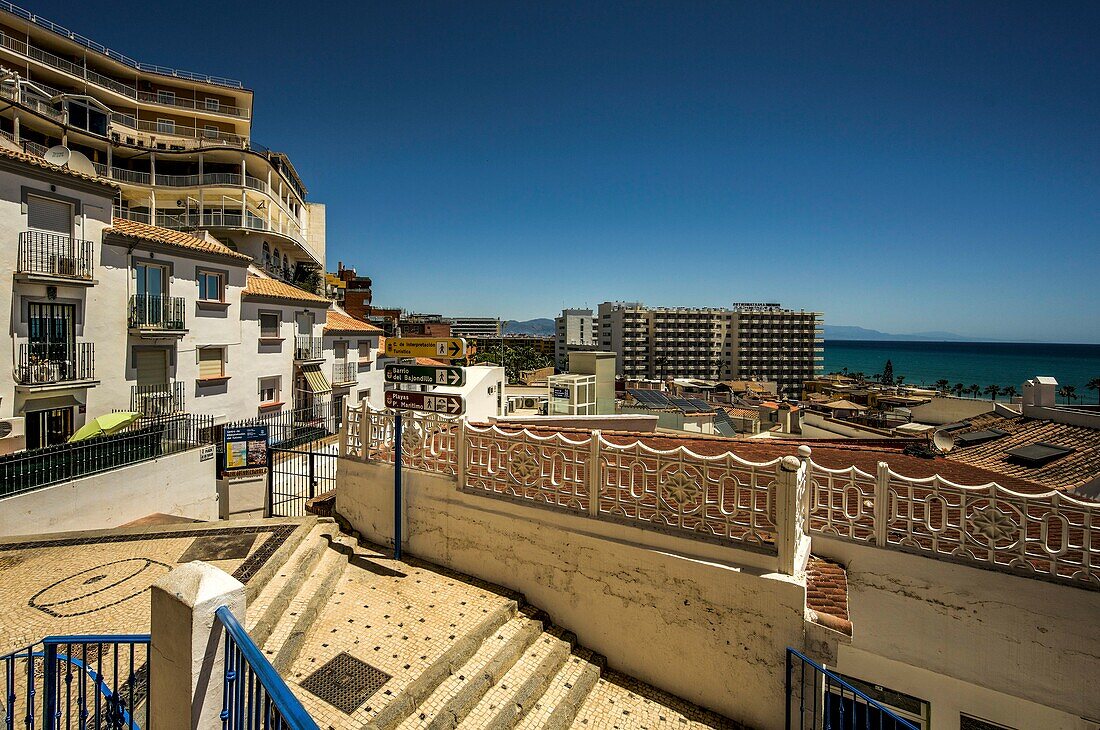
x: 307, y: 348
x: 147, y: 439
x: 286, y: 429
x: 54, y: 254
x: 156, y: 401
x: 43, y: 363
x: 157, y: 311
x: 297, y: 475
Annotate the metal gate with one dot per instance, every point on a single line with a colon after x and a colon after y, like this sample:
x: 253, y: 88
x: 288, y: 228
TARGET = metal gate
x: 296, y: 475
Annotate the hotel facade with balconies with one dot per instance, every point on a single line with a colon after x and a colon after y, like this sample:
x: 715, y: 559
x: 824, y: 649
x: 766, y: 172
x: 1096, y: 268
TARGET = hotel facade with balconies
x: 177, y: 144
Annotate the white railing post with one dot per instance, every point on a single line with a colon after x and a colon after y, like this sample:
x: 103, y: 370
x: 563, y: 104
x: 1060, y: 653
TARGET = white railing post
x: 882, y: 502
x: 460, y: 453
x: 594, y: 473
x: 186, y: 652
x: 345, y: 425
x: 791, y: 548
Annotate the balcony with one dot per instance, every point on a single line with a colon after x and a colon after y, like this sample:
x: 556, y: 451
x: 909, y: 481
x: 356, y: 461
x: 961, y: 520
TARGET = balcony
x: 307, y: 348
x: 46, y: 365
x: 53, y: 257
x: 345, y: 373
x: 157, y: 315
x: 161, y: 399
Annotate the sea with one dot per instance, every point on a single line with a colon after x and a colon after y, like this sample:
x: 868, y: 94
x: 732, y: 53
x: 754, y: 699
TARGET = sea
x: 983, y: 363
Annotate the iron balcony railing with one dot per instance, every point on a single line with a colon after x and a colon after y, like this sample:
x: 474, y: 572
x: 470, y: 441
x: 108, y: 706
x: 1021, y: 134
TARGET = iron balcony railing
x: 45, y: 363
x: 254, y: 695
x: 819, y: 698
x: 78, y: 682
x: 157, y: 312
x: 54, y: 254
x: 345, y: 372
x: 307, y: 348
x: 157, y: 400
x: 177, y: 130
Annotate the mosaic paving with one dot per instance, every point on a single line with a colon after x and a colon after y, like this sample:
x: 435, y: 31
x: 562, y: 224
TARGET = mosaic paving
x: 100, y: 584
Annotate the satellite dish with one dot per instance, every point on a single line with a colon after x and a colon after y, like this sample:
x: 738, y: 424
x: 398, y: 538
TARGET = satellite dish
x: 79, y: 163
x: 58, y: 155
x: 943, y: 441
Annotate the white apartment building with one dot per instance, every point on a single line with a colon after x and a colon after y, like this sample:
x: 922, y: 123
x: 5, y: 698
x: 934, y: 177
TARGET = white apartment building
x: 761, y: 341
x: 474, y: 326
x: 575, y: 329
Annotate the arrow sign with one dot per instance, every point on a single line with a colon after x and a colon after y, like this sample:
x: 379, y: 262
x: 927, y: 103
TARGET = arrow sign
x: 426, y: 375
x: 445, y: 348
x: 408, y: 400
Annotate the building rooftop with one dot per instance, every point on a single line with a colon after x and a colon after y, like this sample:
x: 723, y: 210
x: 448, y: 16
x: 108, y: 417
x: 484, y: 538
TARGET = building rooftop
x: 265, y: 288
x: 338, y: 322
x: 36, y: 161
x: 175, y: 239
x: 1077, y: 467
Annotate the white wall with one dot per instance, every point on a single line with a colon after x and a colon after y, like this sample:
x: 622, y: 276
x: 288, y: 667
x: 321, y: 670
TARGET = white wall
x: 949, y: 409
x: 179, y: 484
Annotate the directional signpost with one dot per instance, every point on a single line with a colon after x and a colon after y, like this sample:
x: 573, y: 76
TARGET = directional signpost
x: 443, y: 348
x: 426, y: 375
x: 449, y: 404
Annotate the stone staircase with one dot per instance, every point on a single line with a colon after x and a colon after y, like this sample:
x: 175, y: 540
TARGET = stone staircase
x: 431, y: 649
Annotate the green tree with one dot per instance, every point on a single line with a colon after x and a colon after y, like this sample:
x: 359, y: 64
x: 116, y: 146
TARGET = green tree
x: 1010, y: 392
x: 1094, y: 384
x: 515, y: 359
x: 975, y: 390
x: 993, y: 391
x: 958, y: 389
x: 1068, y: 393
x: 943, y: 384
x: 899, y: 379
x: 887, y: 377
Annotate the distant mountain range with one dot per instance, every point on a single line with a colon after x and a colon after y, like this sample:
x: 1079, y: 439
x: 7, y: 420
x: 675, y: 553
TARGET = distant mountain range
x: 539, y: 326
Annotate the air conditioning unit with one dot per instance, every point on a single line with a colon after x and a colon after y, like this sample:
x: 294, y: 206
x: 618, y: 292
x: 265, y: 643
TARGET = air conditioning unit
x: 12, y: 428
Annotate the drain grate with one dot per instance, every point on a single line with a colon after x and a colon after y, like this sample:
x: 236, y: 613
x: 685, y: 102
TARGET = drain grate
x: 219, y: 547
x: 345, y: 682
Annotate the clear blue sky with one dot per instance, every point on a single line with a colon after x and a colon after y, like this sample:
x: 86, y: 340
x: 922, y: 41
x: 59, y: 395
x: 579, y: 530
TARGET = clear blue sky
x: 902, y: 166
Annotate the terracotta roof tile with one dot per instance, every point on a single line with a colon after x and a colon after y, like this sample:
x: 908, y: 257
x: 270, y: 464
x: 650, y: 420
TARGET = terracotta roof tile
x: 1065, y: 473
x: 39, y: 162
x: 431, y: 362
x: 749, y: 413
x: 827, y: 593
x: 340, y: 322
x: 259, y: 286
x: 177, y: 239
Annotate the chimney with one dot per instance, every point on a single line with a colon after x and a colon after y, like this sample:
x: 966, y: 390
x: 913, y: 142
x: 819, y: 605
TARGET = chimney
x: 1040, y: 391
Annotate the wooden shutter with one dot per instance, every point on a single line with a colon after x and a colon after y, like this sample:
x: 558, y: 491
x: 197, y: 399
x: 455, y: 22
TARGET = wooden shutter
x: 49, y: 215
x: 210, y: 362
x: 152, y: 367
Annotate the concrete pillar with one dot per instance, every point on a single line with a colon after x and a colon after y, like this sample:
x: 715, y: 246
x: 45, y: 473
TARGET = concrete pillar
x: 15, y: 127
x: 792, y: 540
x: 187, y: 651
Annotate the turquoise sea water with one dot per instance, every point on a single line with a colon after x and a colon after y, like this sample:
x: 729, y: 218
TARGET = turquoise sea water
x: 984, y: 363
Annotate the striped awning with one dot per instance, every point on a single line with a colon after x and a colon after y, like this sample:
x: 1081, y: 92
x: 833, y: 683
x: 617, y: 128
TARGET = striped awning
x: 315, y: 379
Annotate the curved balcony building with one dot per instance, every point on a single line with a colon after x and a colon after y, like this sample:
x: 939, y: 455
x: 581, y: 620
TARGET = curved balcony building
x: 177, y: 143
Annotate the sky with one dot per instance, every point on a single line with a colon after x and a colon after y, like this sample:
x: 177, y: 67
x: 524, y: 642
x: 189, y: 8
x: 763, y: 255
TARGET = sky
x: 900, y: 166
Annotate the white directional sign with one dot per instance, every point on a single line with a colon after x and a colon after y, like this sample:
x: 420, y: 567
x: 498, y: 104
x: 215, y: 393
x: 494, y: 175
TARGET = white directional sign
x: 407, y: 400
x: 444, y: 348
x: 426, y: 375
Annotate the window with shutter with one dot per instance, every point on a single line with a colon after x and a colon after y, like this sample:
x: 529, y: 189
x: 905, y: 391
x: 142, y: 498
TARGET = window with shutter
x: 211, y: 362
x: 49, y: 215
x: 269, y: 324
x: 152, y: 367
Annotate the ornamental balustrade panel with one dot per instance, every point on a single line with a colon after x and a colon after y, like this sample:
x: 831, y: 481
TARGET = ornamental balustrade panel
x: 841, y: 502
x: 427, y: 440
x: 548, y: 470
x: 353, y: 433
x: 722, y: 497
x: 1050, y: 534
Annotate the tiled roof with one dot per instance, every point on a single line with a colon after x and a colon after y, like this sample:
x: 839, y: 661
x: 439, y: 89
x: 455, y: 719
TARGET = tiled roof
x: 743, y: 413
x: 1065, y: 473
x: 430, y: 361
x: 168, y: 237
x: 827, y: 594
x: 39, y: 162
x: 340, y: 322
x: 259, y: 286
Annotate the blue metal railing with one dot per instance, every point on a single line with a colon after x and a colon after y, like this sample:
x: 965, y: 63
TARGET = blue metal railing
x: 256, y: 697
x: 818, y: 699
x: 88, y: 681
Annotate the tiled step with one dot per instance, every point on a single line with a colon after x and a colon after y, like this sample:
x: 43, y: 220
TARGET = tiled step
x: 622, y: 702
x: 416, y: 691
x: 514, y: 695
x: 313, y: 593
x: 264, y: 612
x: 568, y: 690
x: 453, y: 699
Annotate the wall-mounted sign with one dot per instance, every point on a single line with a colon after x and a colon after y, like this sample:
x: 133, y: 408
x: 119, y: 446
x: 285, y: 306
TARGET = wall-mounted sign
x: 246, y: 447
x: 443, y: 348
x: 425, y: 375
x: 561, y: 393
x: 409, y: 400
x: 206, y: 453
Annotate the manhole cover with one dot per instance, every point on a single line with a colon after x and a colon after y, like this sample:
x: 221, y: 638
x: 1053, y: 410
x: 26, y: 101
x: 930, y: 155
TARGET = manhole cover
x: 219, y: 547
x: 345, y: 682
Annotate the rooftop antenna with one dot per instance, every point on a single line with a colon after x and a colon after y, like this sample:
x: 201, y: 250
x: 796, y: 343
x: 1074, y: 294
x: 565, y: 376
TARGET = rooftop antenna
x: 943, y: 441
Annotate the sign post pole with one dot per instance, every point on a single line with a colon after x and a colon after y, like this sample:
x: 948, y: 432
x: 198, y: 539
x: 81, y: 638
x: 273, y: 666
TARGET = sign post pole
x: 397, y: 485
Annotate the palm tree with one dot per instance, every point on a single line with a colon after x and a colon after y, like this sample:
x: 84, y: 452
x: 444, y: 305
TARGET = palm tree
x: 1010, y: 392
x: 958, y: 389
x: 1069, y: 393
x: 943, y: 384
x: 993, y: 391
x: 975, y: 390
x: 1094, y: 384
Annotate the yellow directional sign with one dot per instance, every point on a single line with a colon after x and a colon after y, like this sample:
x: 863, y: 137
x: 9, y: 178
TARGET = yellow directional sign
x: 442, y: 348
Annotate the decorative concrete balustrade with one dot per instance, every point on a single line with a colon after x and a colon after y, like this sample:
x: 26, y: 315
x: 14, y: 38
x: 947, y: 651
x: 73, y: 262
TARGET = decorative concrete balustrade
x: 766, y: 506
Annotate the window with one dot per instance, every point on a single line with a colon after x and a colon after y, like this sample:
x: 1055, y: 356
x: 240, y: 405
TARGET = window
x: 212, y: 105
x: 210, y: 131
x: 166, y: 126
x: 45, y: 214
x: 166, y: 97
x: 269, y: 390
x: 210, y: 287
x: 340, y: 350
x: 269, y: 325
x: 267, y: 254
x: 364, y: 350
x: 211, y: 362
x: 363, y: 394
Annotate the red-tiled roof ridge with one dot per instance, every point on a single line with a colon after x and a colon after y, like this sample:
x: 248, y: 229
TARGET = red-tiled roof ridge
x: 339, y: 322
x: 827, y: 594
x: 169, y: 237
x: 262, y: 286
x: 37, y: 161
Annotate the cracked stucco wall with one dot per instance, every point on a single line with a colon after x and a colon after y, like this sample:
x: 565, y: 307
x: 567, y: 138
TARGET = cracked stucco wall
x: 1013, y: 650
x: 179, y: 484
x: 709, y: 630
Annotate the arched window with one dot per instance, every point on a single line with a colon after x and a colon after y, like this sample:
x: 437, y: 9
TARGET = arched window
x: 267, y: 254
x: 286, y: 266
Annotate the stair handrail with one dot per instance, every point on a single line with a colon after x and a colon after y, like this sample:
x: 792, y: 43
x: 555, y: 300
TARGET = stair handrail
x: 834, y: 678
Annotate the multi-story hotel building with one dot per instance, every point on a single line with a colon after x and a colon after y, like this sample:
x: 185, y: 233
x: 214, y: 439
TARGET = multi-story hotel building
x: 762, y: 341
x: 575, y: 329
x: 177, y: 144
x: 475, y: 326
